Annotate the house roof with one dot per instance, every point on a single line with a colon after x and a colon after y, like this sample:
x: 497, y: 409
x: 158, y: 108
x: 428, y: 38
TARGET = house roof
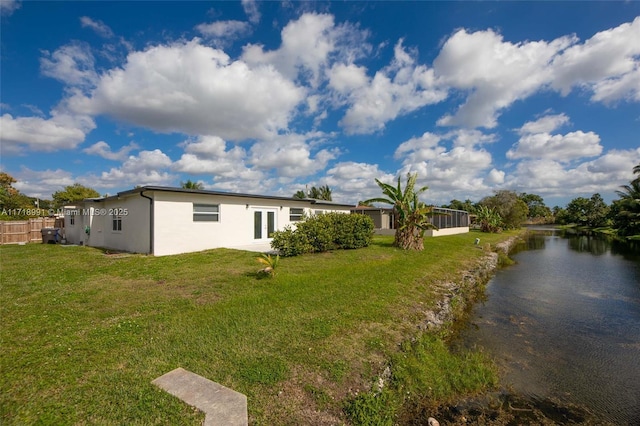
x: 142, y: 189
x: 371, y: 208
x: 389, y: 209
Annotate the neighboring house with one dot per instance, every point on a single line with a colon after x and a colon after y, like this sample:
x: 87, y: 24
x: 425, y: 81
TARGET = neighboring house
x: 383, y: 218
x: 161, y: 220
x: 448, y: 221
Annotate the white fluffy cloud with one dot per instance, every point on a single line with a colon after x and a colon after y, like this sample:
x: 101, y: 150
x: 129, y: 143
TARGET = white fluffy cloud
x: 567, y: 147
x: 625, y: 87
x: 42, y: 183
x: 194, y: 89
x: 345, y: 78
x: 423, y: 148
x: 209, y: 155
x: 495, y: 177
x: 537, y: 141
x: 616, y: 164
x: 352, y: 181
x: 251, y: 9
x: 453, y: 164
x: 545, y: 124
x: 398, y: 89
x: 102, y: 149
x: 61, y: 131
x: 291, y: 155
x: 72, y: 64
x: 7, y: 7
x: 98, y: 26
x: 551, y: 178
x: 608, y: 57
x: 469, y: 138
x: 306, y: 45
x: 224, y: 29
x: 494, y: 72
x: 146, y: 168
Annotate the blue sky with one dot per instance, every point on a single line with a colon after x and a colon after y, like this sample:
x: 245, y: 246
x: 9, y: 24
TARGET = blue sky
x: 270, y: 97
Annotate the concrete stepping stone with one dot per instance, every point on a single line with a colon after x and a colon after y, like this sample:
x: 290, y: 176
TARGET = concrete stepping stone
x: 222, y: 406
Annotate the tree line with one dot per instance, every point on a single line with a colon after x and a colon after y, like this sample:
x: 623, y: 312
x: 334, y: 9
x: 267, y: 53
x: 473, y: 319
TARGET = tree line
x: 14, y: 205
x: 508, y: 209
x: 505, y: 209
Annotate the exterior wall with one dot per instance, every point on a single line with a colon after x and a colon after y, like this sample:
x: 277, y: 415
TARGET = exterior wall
x: 73, y: 232
x: 98, y: 216
x: 175, y: 231
x: 134, y: 215
x: 446, y: 231
x: 382, y: 218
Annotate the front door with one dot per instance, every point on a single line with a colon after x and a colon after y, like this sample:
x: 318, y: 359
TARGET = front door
x: 264, y: 224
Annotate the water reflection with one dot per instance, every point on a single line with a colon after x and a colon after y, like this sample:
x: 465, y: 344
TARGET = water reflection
x: 564, y: 323
x: 596, y: 245
x: 536, y: 241
x: 630, y: 250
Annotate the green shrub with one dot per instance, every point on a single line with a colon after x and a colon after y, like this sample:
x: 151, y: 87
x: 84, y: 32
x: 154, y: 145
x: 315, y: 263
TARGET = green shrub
x: 319, y: 232
x: 324, y: 232
x: 290, y: 243
x: 352, y: 231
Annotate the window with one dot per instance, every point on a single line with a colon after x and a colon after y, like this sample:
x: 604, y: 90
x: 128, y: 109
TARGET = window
x: 116, y: 223
x: 295, y: 215
x: 206, y: 212
x: 72, y: 220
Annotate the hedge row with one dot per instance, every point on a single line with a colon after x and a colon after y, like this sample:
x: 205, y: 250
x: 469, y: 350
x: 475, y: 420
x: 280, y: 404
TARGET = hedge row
x: 324, y: 232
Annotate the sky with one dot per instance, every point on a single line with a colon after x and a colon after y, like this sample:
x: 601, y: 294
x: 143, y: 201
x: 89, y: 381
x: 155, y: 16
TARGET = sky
x: 274, y: 97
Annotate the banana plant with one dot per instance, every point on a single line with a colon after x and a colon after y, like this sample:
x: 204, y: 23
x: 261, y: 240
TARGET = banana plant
x: 412, y: 215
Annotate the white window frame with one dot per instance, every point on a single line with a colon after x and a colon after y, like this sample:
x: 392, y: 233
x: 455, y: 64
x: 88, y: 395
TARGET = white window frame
x: 204, y: 215
x: 116, y: 223
x: 296, y: 217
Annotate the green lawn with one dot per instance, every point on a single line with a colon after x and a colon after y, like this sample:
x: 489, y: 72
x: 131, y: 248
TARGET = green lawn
x: 84, y: 333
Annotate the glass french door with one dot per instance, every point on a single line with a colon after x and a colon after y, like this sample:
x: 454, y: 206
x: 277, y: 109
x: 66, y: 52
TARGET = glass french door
x: 264, y: 223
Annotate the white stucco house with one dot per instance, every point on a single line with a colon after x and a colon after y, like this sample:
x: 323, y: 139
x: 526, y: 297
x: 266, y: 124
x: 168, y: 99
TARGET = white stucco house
x: 162, y: 220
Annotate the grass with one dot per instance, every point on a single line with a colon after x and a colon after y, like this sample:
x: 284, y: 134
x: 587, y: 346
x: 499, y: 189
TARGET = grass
x: 84, y: 332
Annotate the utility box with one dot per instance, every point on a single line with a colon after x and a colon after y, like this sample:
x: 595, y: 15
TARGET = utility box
x: 50, y: 235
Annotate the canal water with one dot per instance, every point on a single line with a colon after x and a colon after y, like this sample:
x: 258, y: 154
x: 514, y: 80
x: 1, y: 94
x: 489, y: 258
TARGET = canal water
x: 563, y: 324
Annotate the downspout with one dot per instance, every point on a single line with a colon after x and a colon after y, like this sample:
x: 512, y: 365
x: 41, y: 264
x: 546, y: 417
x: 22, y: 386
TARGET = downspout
x: 150, y: 221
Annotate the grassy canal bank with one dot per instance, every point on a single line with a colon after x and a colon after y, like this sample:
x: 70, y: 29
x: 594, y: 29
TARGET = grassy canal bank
x: 342, y: 337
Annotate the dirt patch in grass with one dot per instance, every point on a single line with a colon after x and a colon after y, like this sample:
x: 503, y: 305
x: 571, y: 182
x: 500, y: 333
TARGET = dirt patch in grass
x: 306, y: 398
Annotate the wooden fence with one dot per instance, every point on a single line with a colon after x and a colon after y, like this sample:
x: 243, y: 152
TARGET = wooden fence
x: 26, y: 231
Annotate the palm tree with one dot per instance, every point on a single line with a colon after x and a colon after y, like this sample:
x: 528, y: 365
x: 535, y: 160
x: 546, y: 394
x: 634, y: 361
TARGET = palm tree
x: 325, y: 193
x: 300, y: 194
x: 314, y: 193
x: 628, y: 207
x: 322, y: 193
x: 412, y: 216
x: 191, y: 185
